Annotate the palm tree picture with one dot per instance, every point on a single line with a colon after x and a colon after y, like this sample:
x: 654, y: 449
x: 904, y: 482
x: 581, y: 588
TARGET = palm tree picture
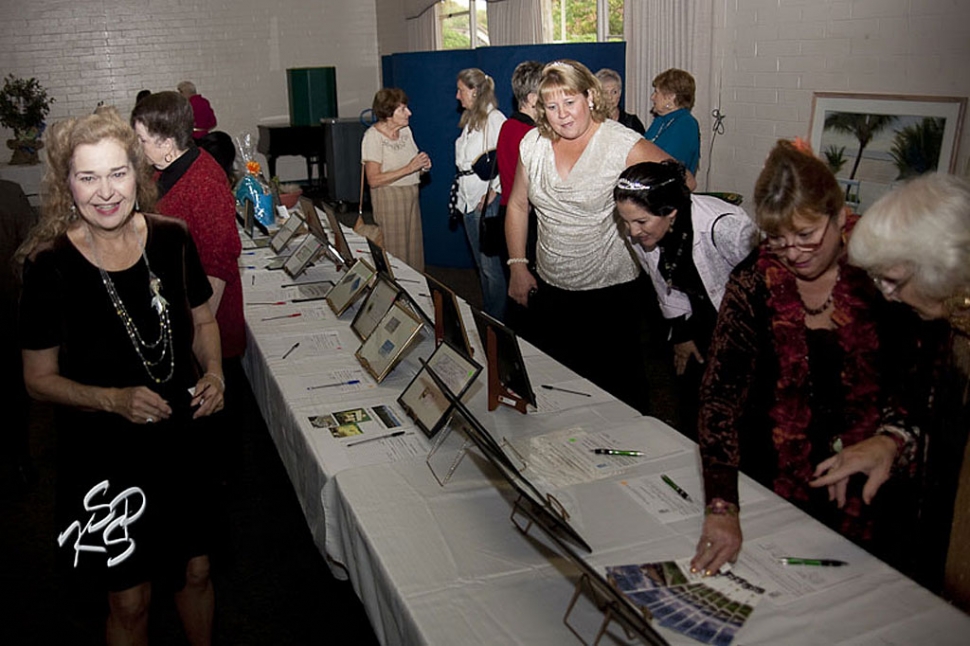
x: 916, y: 148
x: 861, y: 126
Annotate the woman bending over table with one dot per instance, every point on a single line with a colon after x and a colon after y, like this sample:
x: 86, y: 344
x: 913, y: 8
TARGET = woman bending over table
x: 688, y: 245
x: 117, y: 331
x: 799, y: 368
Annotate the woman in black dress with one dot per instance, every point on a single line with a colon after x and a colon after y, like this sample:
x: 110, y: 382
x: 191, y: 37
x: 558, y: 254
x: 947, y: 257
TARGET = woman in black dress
x: 117, y: 333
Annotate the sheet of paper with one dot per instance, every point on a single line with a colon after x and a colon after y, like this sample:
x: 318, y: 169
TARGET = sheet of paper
x: 334, y: 385
x: 564, y: 458
x: 663, y: 502
x: 568, y: 394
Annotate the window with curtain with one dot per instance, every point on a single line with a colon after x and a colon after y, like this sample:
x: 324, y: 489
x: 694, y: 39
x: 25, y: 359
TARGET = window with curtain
x: 458, y: 19
x: 574, y: 21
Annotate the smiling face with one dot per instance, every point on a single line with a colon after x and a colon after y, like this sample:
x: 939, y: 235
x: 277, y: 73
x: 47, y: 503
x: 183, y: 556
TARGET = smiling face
x: 102, y: 181
x: 466, y: 96
x: 811, y: 246
x: 660, y: 100
x: 644, y: 227
x: 569, y: 115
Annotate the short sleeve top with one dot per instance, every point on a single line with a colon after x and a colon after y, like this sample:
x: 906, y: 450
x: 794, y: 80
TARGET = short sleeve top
x: 580, y: 246
x: 391, y: 154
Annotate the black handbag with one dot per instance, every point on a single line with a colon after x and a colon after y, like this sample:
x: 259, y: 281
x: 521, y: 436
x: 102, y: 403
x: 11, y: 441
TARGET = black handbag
x: 486, y: 166
x: 491, y: 233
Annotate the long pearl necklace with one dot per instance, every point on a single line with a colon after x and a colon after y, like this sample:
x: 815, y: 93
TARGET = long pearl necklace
x: 162, y: 346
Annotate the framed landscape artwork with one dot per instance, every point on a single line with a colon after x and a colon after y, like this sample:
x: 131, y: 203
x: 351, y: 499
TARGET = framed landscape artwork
x: 874, y: 141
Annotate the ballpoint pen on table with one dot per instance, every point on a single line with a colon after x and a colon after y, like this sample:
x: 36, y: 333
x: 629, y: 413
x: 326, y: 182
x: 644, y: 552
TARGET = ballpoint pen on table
x: 266, y: 303
x: 378, y: 437
x: 283, y: 316
x: 635, y: 454
x: 795, y: 560
x: 352, y: 382
x: 673, y: 485
x: 292, y: 348
x: 565, y: 390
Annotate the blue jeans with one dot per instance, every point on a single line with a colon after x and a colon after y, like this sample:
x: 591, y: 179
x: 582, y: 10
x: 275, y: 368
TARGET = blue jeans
x: 490, y: 271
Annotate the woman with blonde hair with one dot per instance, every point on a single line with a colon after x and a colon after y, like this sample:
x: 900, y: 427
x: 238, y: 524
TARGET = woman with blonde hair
x: 567, y: 169
x: 477, y: 178
x: 915, y: 243
x: 116, y: 331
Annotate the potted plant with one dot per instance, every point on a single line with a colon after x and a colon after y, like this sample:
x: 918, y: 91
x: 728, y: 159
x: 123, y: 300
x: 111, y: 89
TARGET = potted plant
x: 23, y: 105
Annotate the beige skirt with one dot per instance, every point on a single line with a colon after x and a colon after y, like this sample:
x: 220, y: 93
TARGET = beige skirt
x: 398, y: 213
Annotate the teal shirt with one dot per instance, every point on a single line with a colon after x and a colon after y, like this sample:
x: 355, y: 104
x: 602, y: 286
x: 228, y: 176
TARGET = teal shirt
x: 678, y: 134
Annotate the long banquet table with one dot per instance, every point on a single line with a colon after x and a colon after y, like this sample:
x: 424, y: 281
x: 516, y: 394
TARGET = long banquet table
x: 444, y: 564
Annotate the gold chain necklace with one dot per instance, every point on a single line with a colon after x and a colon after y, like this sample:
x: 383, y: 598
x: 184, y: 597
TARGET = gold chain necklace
x: 162, y: 346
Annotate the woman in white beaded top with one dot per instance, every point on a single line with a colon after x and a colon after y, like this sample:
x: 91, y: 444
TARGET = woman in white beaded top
x: 567, y: 169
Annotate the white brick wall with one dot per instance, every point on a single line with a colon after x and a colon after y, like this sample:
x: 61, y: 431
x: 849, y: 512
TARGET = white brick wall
x: 235, y: 51
x: 775, y: 53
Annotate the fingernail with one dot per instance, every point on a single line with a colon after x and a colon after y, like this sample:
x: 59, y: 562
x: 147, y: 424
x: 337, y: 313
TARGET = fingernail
x: 708, y: 573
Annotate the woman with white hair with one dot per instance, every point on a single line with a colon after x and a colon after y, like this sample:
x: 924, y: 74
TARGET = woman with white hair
x: 915, y: 243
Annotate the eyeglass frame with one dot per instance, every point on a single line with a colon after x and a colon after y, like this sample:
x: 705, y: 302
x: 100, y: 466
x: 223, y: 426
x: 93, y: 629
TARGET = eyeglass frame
x: 890, y: 286
x: 805, y: 247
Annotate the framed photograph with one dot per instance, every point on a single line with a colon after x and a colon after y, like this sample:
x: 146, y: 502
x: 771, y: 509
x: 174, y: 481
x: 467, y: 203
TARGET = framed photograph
x: 424, y: 401
x: 387, y: 343
x: 352, y: 285
x: 379, y: 256
x: 448, y: 325
x: 300, y: 259
x: 382, y: 295
x: 508, y: 379
x: 339, y: 239
x: 315, y: 226
x: 283, y: 235
x: 873, y: 141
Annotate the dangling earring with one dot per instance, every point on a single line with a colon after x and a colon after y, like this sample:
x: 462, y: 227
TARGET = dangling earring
x: 137, y: 208
x: 73, y: 214
x: 845, y: 238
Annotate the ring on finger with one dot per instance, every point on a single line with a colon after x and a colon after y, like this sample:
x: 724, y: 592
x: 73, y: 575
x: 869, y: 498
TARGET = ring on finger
x: 708, y: 545
x: 149, y: 420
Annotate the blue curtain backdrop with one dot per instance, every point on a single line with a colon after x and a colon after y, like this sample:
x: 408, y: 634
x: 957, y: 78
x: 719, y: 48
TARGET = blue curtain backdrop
x: 429, y: 79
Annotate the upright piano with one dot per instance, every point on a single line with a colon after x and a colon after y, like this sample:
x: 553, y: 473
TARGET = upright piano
x: 308, y: 142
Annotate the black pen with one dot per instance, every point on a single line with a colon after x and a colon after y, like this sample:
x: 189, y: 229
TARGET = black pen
x: 635, y: 454
x: 794, y: 560
x: 565, y: 390
x: 294, y: 347
x: 378, y: 437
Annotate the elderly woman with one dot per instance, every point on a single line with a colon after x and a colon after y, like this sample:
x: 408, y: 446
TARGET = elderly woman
x: 795, y: 373
x: 393, y: 166
x: 688, y: 244
x: 674, y: 128
x: 613, y: 90
x: 117, y: 332
x: 587, y: 279
x: 480, y: 125
x: 192, y: 187
x: 204, y: 119
x: 915, y: 243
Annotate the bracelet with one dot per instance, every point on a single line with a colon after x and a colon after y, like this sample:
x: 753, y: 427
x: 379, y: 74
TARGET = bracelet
x: 218, y: 378
x: 514, y: 261
x: 721, y: 507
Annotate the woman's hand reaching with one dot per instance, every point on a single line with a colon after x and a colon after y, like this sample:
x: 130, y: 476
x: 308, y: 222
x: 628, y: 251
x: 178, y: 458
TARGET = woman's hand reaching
x: 720, y: 543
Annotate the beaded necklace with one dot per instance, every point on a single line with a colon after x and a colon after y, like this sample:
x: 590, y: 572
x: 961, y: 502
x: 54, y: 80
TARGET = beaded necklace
x: 162, y: 346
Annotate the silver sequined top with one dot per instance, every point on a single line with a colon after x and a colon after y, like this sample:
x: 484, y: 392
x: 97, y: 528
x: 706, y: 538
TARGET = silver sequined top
x: 580, y: 246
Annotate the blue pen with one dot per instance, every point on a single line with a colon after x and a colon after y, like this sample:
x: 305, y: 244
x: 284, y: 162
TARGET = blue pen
x: 339, y: 383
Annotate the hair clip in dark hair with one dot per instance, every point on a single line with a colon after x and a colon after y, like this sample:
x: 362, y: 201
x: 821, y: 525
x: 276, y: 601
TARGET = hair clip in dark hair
x: 633, y: 185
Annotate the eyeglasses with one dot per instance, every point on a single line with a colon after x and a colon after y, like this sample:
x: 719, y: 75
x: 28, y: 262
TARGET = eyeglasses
x: 778, y: 246
x: 889, y: 286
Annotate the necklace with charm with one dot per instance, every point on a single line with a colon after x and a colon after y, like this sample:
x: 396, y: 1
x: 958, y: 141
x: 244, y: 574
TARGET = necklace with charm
x: 155, y: 355
x: 671, y: 266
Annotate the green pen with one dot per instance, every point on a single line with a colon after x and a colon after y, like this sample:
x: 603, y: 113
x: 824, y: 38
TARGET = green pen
x: 673, y: 485
x: 635, y: 454
x: 792, y: 560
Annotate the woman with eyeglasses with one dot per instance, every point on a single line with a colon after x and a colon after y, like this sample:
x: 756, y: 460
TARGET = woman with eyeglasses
x: 688, y: 245
x: 795, y: 374
x: 915, y: 243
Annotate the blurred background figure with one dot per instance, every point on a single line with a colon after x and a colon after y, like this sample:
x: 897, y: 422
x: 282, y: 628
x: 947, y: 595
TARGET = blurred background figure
x: 205, y: 118
x: 393, y: 167
x: 480, y: 123
x: 688, y: 244
x: 674, y: 128
x: 613, y: 91
x: 915, y: 243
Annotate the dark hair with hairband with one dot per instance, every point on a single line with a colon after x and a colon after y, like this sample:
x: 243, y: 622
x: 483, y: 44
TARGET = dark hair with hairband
x: 659, y: 188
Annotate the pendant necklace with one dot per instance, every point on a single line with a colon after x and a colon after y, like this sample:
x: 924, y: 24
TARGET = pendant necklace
x: 671, y: 266
x: 815, y: 311
x: 162, y: 346
x: 663, y: 127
